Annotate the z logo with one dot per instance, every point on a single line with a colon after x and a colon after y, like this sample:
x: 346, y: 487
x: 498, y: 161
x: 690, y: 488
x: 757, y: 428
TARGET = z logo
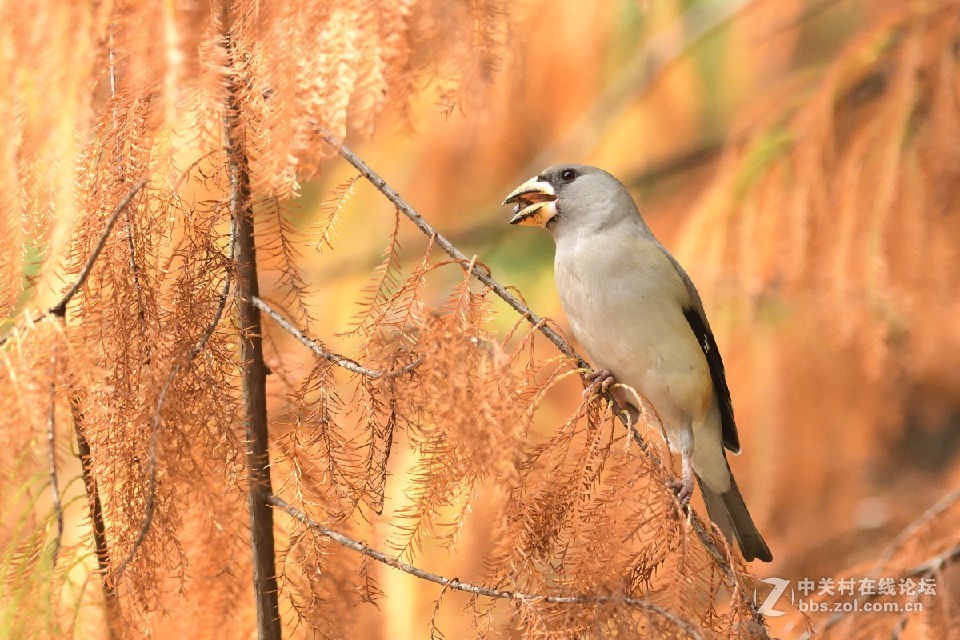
x: 766, y: 608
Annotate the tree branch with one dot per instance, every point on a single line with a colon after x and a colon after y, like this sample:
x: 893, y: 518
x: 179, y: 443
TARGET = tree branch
x: 253, y: 369
x: 520, y: 307
x: 934, y: 564
x: 457, y: 584
x: 320, y: 352
x: 60, y: 309
x: 449, y: 248
x: 96, y: 517
x: 925, y: 568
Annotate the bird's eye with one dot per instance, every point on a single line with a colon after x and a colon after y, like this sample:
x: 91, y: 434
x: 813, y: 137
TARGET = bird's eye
x: 568, y: 175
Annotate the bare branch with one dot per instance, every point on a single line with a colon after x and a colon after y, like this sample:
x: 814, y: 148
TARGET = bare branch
x: 925, y: 568
x: 60, y: 309
x: 459, y: 585
x: 337, y: 359
x: 83, y: 446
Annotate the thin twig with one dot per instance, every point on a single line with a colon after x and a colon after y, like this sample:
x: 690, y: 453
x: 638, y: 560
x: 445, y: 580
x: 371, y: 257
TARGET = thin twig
x: 112, y: 60
x: 435, y: 633
x: 459, y: 585
x: 404, y: 207
x: 96, y: 517
x: 925, y: 568
x: 337, y: 359
x: 150, y: 505
x: 51, y: 438
x: 83, y: 446
x: 151, y: 492
x: 60, y: 309
x: 520, y: 307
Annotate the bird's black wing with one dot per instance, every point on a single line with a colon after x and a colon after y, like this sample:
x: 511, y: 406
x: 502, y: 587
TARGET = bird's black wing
x: 697, y: 322
x: 697, y: 319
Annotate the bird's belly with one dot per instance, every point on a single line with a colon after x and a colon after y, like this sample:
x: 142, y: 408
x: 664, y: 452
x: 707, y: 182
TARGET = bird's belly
x: 644, y: 343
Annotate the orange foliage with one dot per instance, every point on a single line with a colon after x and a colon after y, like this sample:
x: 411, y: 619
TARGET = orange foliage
x: 822, y: 235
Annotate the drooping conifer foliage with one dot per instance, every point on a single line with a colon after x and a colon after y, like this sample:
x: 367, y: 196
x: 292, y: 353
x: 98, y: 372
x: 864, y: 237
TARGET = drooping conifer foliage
x: 427, y: 455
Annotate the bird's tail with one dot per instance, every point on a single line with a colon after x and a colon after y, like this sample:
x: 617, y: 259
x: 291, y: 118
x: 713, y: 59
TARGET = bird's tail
x: 730, y: 513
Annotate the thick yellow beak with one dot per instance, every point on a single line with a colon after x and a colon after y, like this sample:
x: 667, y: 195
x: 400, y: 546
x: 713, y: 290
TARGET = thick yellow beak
x: 535, y: 203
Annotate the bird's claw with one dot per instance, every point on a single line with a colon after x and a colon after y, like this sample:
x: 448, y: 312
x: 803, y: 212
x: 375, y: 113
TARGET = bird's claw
x: 601, y: 380
x: 683, y: 489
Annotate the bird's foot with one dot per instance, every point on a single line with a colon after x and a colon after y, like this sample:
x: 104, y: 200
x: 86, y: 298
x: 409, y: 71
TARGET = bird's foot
x: 683, y: 489
x: 599, y: 380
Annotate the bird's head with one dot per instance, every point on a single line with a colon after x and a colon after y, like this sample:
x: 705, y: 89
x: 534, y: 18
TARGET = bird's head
x: 575, y: 195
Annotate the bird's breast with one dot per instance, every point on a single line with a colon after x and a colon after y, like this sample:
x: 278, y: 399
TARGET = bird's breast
x: 623, y: 307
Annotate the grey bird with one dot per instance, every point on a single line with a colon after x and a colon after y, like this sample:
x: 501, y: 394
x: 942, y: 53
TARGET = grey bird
x: 640, y: 319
